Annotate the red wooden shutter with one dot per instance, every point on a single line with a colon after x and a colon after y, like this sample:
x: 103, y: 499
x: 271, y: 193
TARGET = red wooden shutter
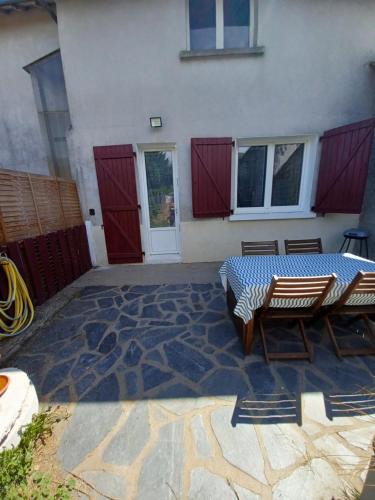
x: 211, y: 176
x: 343, y: 168
x: 118, y: 196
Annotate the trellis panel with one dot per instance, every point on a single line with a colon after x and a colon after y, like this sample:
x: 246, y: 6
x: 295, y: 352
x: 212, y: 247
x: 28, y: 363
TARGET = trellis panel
x: 46, y: 194
x: 70, y: 203
x: 17, y: 207
x: 32, y: 205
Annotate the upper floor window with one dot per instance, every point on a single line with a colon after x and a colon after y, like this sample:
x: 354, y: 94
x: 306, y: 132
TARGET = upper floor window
x: 221, y: 24
x: 52, y: 105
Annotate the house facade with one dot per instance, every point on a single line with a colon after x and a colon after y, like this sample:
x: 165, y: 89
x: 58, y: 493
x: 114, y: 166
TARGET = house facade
x: 189, y: 125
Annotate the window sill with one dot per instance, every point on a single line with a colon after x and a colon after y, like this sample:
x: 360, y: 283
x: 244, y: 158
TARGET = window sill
x: 195, y: 54
x: 272, y: 216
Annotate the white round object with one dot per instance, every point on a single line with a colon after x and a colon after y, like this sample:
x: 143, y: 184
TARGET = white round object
x: 17, y: 406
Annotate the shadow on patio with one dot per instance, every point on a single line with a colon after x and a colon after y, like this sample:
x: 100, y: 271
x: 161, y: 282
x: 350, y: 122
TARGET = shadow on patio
x: 176, y: 341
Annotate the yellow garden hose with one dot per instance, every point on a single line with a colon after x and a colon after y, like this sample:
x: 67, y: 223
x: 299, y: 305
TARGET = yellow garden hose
x: 14, y: 321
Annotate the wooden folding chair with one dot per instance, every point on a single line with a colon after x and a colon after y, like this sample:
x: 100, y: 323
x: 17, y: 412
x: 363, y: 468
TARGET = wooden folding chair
x: 260, y: 247
x: 363, y: 283
x: 310, y: 287
x: 303, y: 246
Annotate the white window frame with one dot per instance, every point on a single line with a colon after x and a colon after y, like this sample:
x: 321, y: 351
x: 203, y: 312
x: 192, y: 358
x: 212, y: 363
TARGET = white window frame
x: 303, y: 209
x: 253, y: 9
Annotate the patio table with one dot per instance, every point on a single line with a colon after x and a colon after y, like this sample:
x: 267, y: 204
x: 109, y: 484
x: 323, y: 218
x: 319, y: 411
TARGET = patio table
x: 247, y: 279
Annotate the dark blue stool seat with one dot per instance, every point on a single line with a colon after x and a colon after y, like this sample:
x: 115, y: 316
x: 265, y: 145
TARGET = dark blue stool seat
x: 355, y: 234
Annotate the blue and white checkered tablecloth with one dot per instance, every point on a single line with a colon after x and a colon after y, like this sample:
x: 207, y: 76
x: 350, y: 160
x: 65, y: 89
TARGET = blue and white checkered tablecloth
x: 250, y: 278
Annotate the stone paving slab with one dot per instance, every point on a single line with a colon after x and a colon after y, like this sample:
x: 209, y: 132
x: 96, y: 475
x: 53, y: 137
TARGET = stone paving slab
x: 161, y: 471
x: 205, y: 485
x: 284, y: 444
x: 235, y: 443
x: 201, y: 443
x: 315, y: 480
x: 110, y: 485
x: 154, y: 375
x: 86, y: 429
x: 130, y: 440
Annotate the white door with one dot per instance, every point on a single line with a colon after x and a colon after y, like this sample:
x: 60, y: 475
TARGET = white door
x: 160, y: 204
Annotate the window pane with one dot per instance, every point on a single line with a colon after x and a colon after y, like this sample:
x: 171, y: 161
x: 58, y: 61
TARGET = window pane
x: 287, y: 171
x: 52, y: 105
x: 58, y: 123
x: 159, y: 175
x: 252, y: 164
x: 49, y: 74
x: 202, y: 18
x: 236, y: 23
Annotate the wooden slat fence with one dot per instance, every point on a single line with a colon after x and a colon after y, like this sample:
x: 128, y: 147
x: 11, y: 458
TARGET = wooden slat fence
x: 50, y: 262
x: 32, y: 205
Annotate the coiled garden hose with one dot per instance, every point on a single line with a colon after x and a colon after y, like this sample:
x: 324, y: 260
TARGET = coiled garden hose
x: 17, y: 310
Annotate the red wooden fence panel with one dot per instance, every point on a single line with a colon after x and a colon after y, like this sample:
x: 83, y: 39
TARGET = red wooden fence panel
x: 49, y: 262
x: 57, y: 260
x: 344, y: 167
x: 73, y: 252
x: 33, y: 264
x: 66, y: 260
x: 211, y: 176
x: 46, y: 265
x: 14, y: 252
x: 78, y: 248
x: 84, y: 249
x: 3, y: 285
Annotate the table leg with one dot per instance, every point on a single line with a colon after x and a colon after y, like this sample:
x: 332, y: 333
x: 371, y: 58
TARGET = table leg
x: 348, y: 245
x: 248, y: 335
x: 342, y: 246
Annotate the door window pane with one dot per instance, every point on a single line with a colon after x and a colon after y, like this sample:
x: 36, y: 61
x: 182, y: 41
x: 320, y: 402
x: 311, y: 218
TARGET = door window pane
x: 287, y: 171
x: 236, y: 23
x: 252, y: 162
x: 202, y: 17
x: 160, y: 192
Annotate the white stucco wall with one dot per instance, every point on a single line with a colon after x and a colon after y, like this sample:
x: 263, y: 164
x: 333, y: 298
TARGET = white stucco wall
x: 121, y: 63
x: 200, y: 241
x: 24, y: 38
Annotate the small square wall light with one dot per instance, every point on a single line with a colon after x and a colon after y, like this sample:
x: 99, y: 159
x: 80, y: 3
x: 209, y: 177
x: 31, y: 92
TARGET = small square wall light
x: 155, y: 122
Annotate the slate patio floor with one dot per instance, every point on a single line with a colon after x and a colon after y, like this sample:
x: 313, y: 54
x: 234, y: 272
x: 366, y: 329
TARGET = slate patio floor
x: 154, y: 377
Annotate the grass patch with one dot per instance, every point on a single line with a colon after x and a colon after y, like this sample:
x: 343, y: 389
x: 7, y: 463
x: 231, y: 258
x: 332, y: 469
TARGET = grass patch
x: 18, y: 479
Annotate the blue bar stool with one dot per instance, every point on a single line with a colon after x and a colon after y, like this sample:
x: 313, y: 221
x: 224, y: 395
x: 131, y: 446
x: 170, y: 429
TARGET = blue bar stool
x: 355, y: 234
